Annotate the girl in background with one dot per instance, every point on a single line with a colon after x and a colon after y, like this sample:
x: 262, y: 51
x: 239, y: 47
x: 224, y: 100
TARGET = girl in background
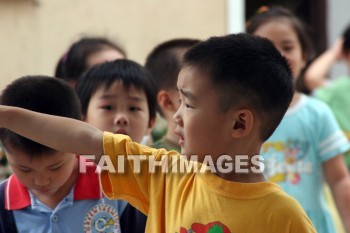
x: 307, y: 146
x: 84, y: 54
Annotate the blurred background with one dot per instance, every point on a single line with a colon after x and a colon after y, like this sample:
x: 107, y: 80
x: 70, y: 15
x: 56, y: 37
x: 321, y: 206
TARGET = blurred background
x: 34, y: 34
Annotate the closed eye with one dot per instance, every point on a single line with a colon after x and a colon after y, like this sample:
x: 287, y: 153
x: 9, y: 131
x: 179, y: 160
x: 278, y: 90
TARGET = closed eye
x: 55, y: 168
x: 25, y: 170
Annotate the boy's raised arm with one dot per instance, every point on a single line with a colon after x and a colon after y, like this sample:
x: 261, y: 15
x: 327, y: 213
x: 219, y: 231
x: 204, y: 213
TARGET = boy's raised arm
x: 63, y: 134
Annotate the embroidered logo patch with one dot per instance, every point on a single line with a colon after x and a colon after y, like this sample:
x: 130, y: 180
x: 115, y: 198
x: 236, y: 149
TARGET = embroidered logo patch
x: 101, y: 218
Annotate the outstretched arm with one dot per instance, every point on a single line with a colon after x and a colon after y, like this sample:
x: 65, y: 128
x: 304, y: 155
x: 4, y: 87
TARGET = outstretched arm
x: 337, y: 176
x: 316, y: 74
x: 63, y: 134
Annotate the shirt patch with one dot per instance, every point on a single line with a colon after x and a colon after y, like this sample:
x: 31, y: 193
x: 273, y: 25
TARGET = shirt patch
x: 101, y: 218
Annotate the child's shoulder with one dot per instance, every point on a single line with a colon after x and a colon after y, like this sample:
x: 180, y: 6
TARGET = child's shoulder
x: 315, y: 106
x: 286, y: 208
x: 312, y: 102
x: 340, y: 83
x: 283, y: 206
x: 337, y: 89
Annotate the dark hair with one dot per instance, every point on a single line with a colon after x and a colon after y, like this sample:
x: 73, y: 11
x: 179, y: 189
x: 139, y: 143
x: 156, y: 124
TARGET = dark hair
x: 164, y: 63
x: 104, y: 75
x: 41, y: 94
x: 346, y: 43
x: 74, y: 62
x: 60, y: 67
x: 300, y: 28
x: 248, y: 70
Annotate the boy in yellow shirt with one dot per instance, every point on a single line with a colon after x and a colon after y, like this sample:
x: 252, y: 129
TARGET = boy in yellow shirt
x: 234, y: 91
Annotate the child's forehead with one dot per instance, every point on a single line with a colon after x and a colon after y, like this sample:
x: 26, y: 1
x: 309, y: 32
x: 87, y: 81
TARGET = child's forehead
x: 120, y: 85
x: 195, y: 84
x: 192, y: 74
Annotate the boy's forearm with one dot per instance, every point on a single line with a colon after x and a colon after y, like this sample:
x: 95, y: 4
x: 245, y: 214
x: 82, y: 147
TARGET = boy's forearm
x: 63, y: 134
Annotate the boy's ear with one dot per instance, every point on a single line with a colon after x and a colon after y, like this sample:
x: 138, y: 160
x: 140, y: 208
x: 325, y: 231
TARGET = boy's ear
x: 165, y: 102
x: 243, y: 123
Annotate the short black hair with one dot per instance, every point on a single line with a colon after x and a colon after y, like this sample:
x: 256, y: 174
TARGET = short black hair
x: 41, y: 94
x: 105, y: 74
x: 248, y: 70
x: 164, y: 62
x: 74, y: 62
x: 346, y: 43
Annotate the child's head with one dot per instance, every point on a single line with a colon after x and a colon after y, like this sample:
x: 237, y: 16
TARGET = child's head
x: 118, y: 97
x: 288, y: 34
x: 346, y: 43
x: 84, y: 54
x: 164, y: 63
x: 235, y: 87
x: 41, y: 169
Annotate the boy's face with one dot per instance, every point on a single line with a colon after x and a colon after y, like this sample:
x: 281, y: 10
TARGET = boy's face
x: 119, y: 110
x: 45, y: 176
x: 203, y: 128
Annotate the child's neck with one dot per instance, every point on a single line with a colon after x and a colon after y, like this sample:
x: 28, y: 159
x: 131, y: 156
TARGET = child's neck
x: 245, y: 170
x: 243, y: 177
x: 296, y: 98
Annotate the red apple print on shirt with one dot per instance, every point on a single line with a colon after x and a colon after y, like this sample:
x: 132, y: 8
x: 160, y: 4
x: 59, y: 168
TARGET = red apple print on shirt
x: 213, y: 227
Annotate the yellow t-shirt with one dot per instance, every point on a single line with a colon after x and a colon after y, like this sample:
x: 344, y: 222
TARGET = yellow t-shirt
x: 196, y: 201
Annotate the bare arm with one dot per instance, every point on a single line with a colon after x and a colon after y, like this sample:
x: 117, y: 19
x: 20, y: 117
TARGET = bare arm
x: 63, y: 134
x: 316, y: 74
x: 337, y: 176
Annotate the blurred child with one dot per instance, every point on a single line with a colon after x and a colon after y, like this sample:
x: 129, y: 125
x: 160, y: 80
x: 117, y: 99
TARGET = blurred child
x: 85, y: 53
x: 120, y: 97
x: 164, y: 63
x: 48, y: 191
x: 308, y: 145
x: 234, y: 91
x: 336, y: 92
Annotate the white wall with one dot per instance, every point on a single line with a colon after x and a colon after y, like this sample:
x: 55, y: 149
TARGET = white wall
x: 35, y: 33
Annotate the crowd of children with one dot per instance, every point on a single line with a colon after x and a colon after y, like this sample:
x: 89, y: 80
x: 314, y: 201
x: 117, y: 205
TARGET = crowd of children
x: 74, y: 142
